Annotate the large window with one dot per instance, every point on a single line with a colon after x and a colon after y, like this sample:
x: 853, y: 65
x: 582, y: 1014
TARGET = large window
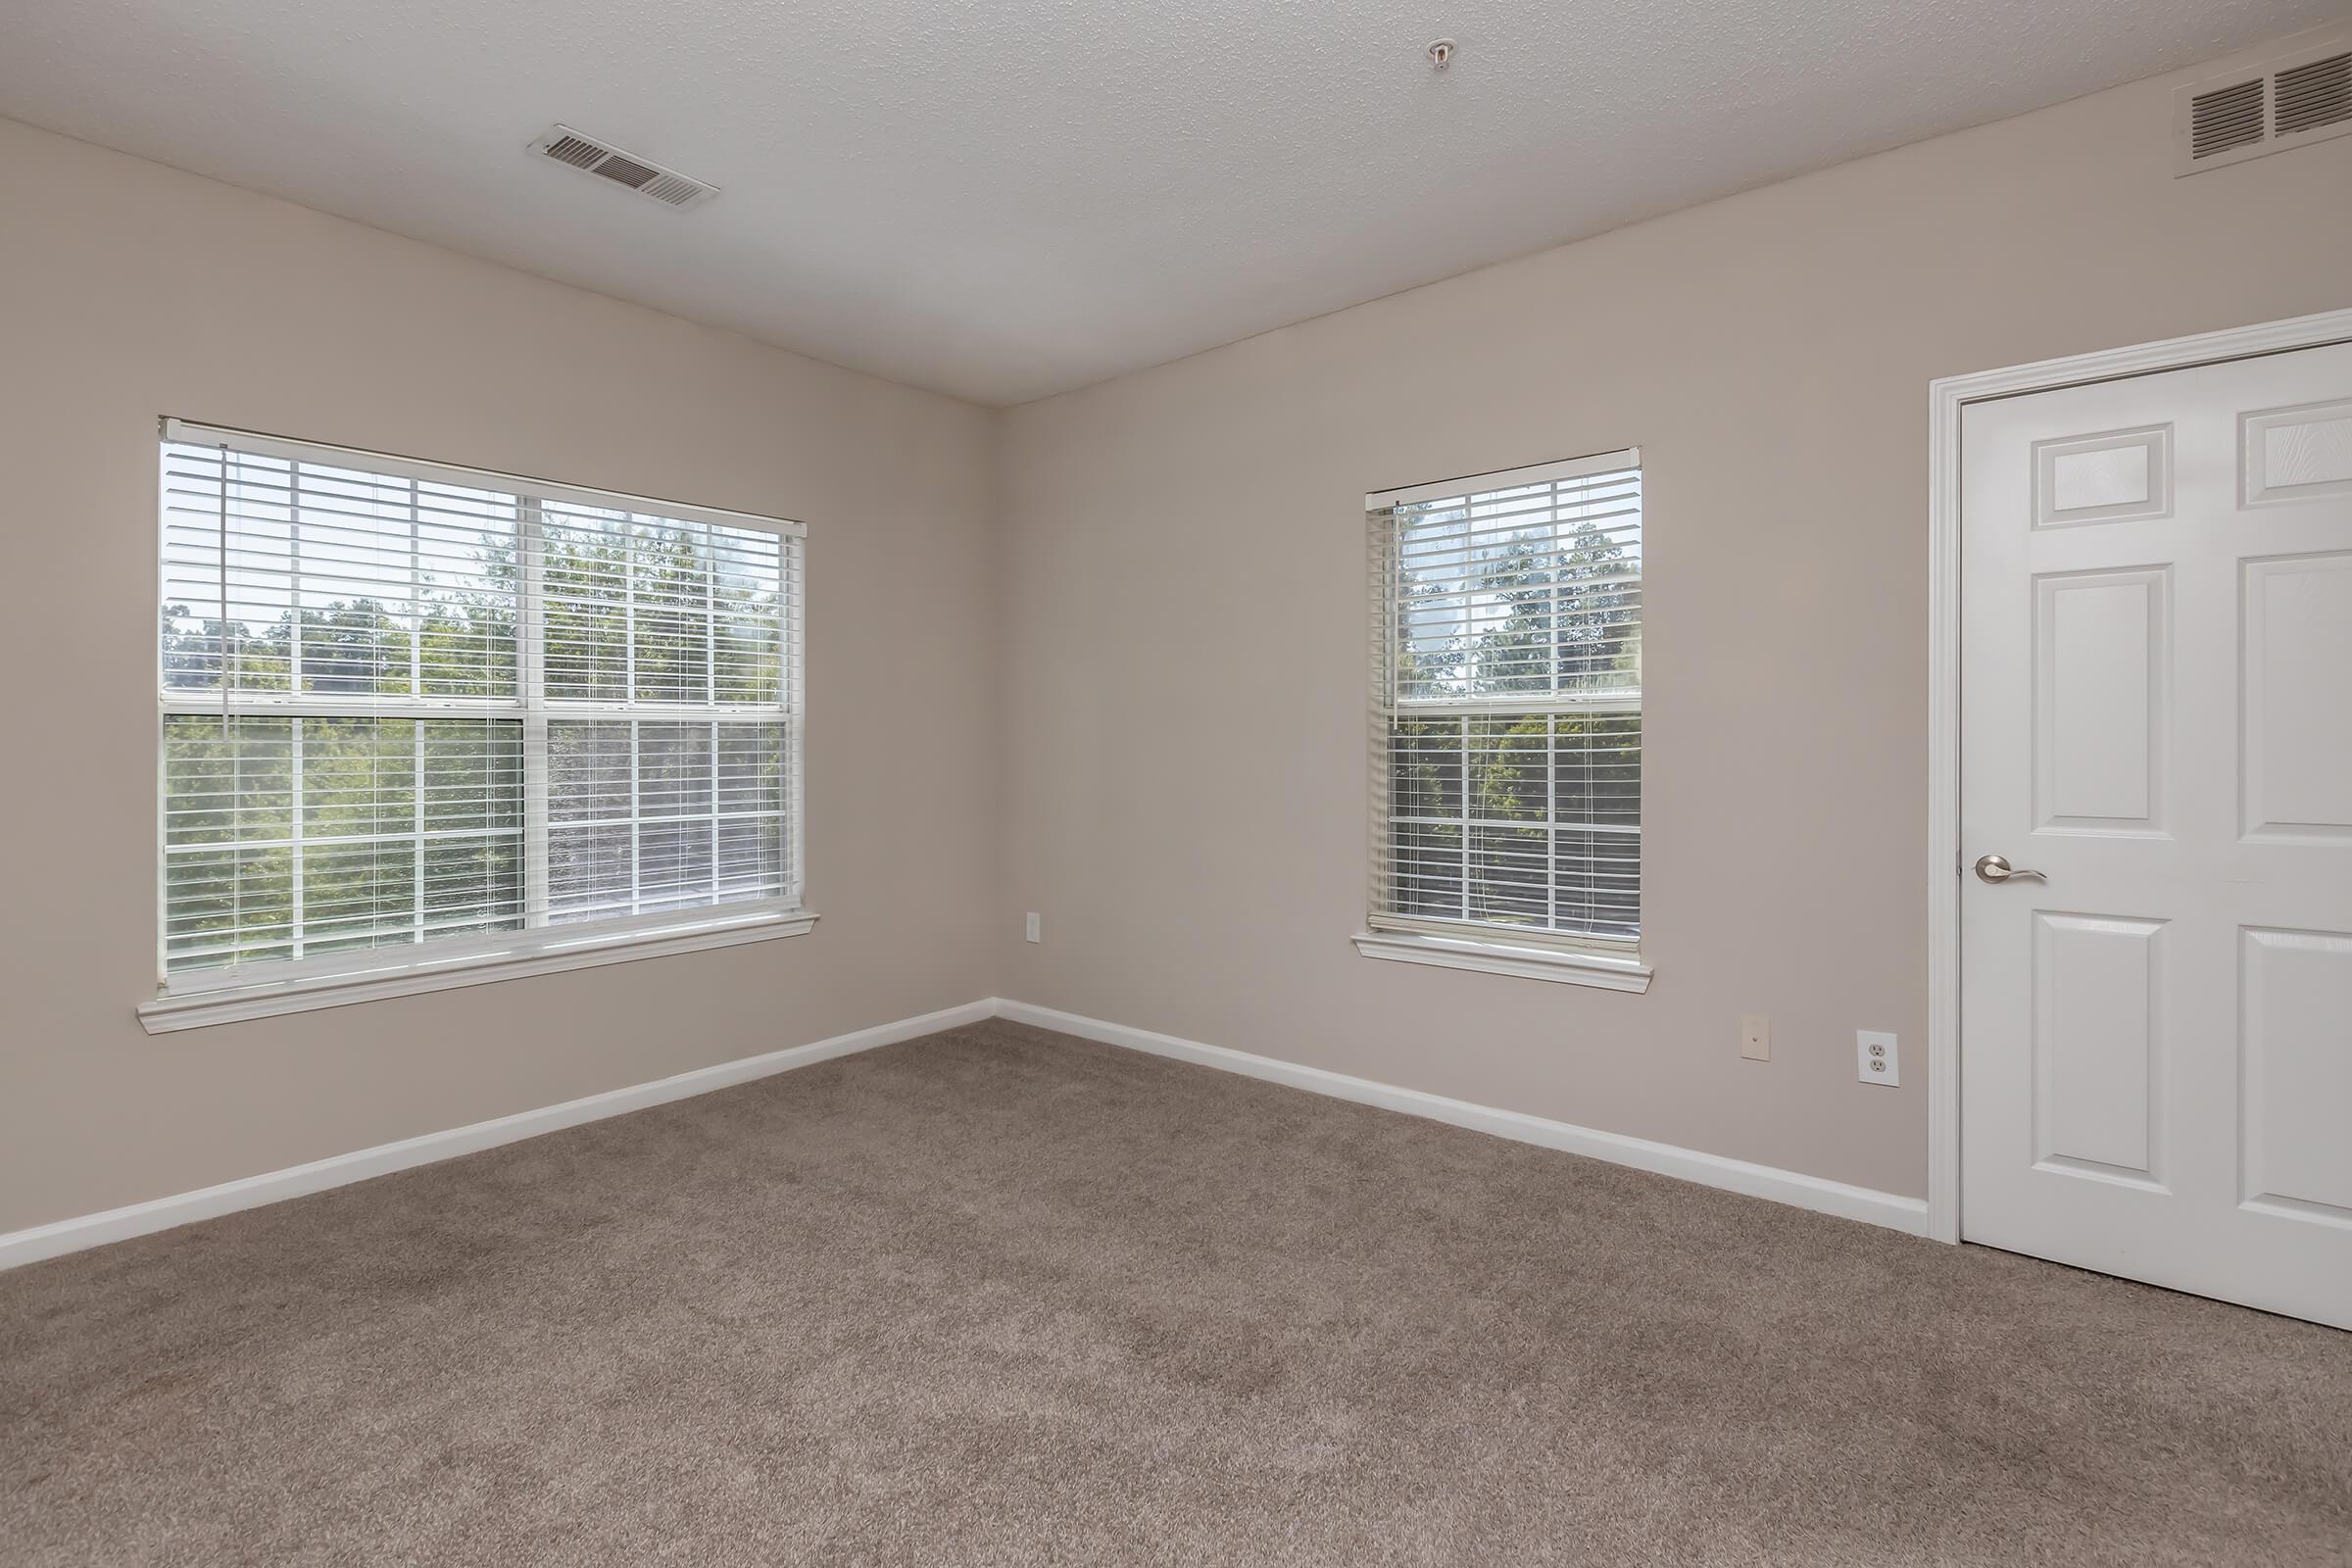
x: 406, y: 705
x: 1508, y: 707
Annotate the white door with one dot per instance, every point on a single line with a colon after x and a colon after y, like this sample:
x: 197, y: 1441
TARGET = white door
x: 2156, y: 716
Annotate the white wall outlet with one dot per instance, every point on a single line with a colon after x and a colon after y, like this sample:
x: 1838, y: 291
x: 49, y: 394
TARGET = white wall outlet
x: 1875, y: 1060
x: 1755, y: 1037
x: 1036, y: 931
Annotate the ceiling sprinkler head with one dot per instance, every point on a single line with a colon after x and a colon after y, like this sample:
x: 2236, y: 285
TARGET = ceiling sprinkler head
x: 1440, y: 53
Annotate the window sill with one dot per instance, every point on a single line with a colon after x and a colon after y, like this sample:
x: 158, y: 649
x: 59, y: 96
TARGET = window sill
x: 1607, y: 972
x: 548, y: 953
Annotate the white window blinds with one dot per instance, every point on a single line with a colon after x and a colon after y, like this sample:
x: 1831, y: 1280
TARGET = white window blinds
x: 1506, y: 614
x: 403, y: 703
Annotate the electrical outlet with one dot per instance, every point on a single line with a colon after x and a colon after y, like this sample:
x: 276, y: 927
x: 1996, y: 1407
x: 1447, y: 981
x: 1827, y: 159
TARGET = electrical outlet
x: 1037, y: 927
x: 1875, y: 1060
x: 1755, y: 1037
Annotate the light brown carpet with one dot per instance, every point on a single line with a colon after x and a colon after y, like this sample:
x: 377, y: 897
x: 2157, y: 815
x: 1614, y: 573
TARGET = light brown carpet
x: 1000, y: 1297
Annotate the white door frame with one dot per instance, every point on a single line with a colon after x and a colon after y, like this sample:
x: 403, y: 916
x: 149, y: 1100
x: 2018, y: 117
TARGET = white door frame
x: 1946, y: 397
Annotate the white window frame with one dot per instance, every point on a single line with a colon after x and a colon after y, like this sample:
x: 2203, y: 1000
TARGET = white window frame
x: 1573, y: 960
x: 195, y: 998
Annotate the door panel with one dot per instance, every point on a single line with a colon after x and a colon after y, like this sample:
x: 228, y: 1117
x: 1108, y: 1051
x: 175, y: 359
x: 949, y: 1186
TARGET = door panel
x: 2100, y: 698
x: 2156, y: 711
x: 2096, y: 1014
x: 2296, y: 993
x: 2298, y: 717
x: 2300, y: 454
x: 2103, y: 478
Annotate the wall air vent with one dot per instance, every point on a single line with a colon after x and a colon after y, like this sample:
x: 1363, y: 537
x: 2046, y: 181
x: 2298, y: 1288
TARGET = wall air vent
x: 607, y: 162
x: 2310, y: 97
x: 2284, y: 96
x: 2223, y: 117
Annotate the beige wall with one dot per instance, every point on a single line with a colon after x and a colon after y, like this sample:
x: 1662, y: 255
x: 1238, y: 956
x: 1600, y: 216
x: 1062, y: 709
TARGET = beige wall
x: 128, y: 291
x: 1143, y: 716
x: 1185, y: 755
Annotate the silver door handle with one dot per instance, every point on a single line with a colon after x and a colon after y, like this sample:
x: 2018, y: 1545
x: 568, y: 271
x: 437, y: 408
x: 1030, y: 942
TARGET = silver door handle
x: 1994, y: 868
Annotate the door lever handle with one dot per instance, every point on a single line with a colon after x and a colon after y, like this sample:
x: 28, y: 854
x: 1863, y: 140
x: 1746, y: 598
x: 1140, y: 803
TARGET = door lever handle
x: 1994, y: 868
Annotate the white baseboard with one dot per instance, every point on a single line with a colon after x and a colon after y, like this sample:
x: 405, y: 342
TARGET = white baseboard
x: 1867, y: 1204
x: 252, y: 1192
x: 64, y: 1236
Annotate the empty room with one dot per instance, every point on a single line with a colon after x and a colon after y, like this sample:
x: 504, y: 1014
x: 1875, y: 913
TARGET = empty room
x: 1098, y: 783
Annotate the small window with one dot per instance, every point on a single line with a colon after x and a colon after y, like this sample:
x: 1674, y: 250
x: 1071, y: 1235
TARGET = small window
x: 1506, y: 716
x: 408, y: 707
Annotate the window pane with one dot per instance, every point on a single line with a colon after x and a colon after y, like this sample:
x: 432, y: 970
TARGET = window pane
x: 281, y: 575
x: 226, y: 781
x: 228, y: 822
x: 1428, y: 870
x: 749, y: 648
x: 1534, y: 588
x: 660, y: 610
x: 358, y: 893
x: 364, y: 851
x: 674, y: 850
x: 750, y: 767
x: 591, y: 871
x: 673, y: 864
x: 1508, y: 870
x: 750, y: 857
x: 1599, y: 882
x: 591, y: 775
x: 584, y: 566
x: 670, y: 567
x: 1506, y: 762
x: 227, y: 904
x: 750, y: 846
x: 1426, y: 761
x: 472, y: 874
x: 473, y: 883
x: 590, y: 840
x: 473, y: 775
x: 358, y: 776
x: 1597, y: 769
x: 674, y: 769
x: 467, y: 593
x: 649, y: 814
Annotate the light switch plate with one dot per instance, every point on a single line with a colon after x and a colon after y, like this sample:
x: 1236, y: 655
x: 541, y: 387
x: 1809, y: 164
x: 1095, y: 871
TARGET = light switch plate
x: 1755, y: 1037
x: 1875, y: 1059
x: 1036, y: 929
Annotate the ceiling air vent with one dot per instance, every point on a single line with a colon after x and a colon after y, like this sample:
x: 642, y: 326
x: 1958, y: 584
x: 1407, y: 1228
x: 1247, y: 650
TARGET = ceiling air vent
x: 607, y: 162
x: 2289, y: 96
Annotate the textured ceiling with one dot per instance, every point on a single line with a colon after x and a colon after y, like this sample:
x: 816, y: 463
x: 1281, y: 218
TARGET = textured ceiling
x: 1006, y: 198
